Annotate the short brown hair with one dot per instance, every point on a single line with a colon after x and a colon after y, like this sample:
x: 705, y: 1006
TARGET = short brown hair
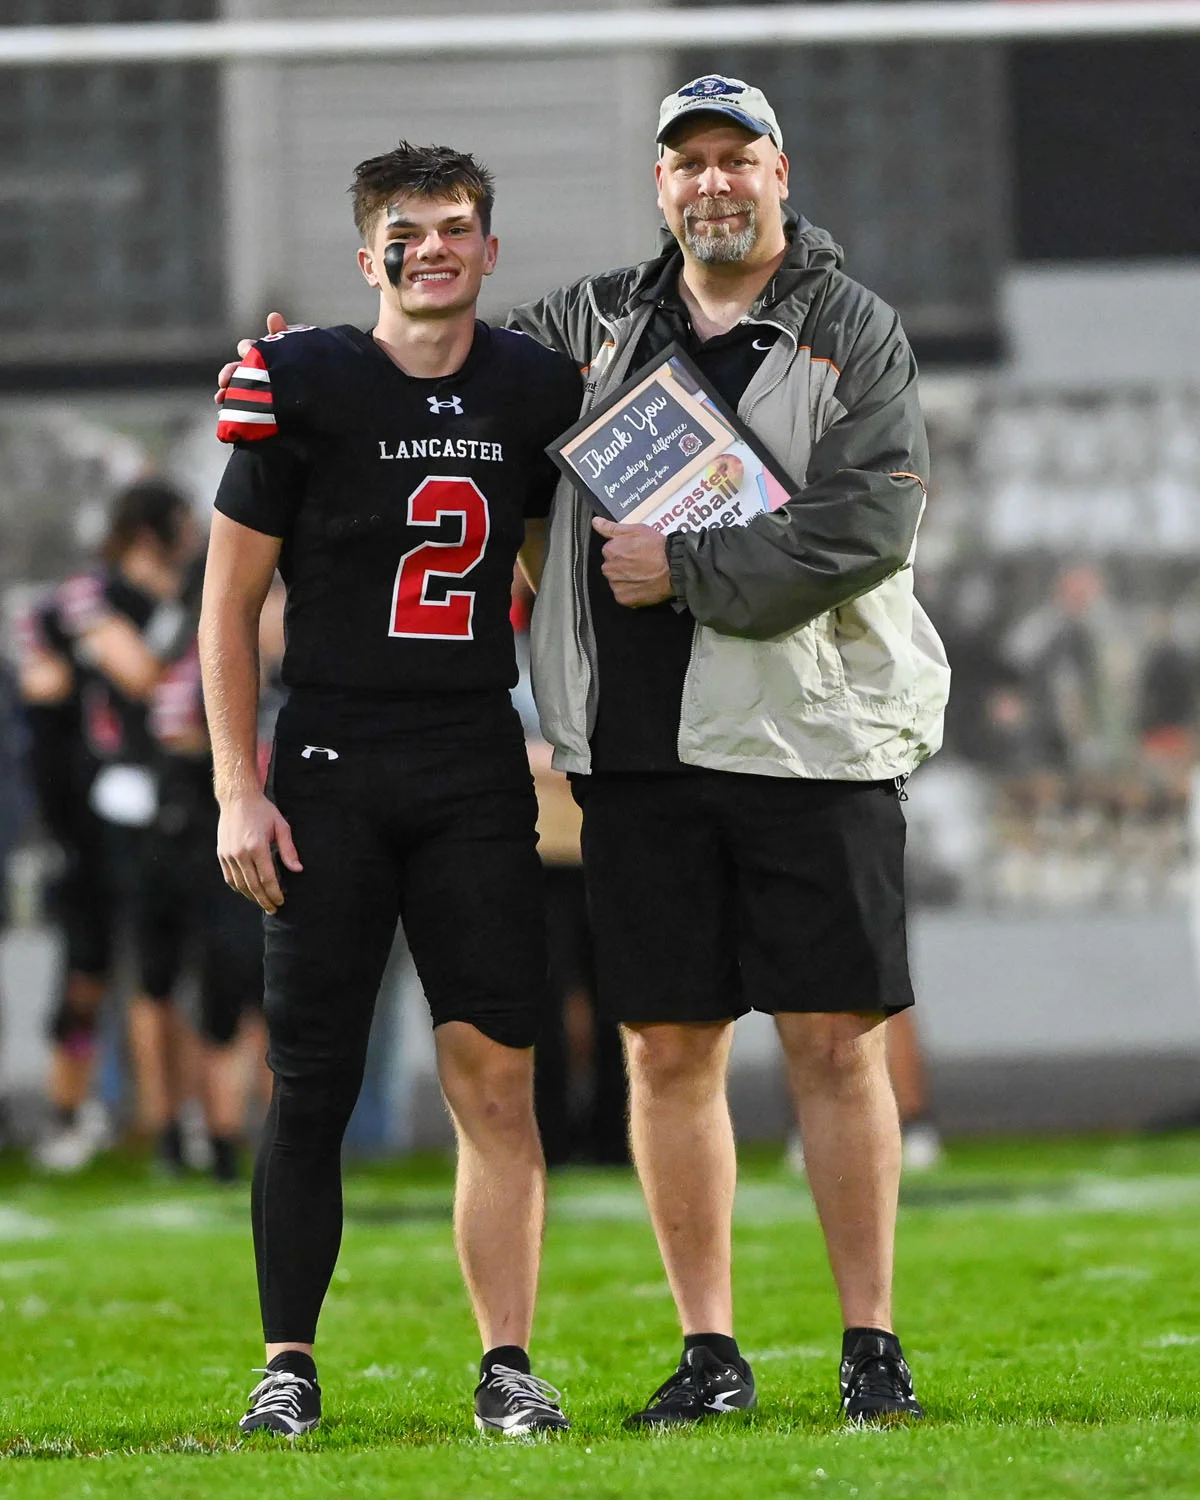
x: 423, y: 172
x: 149, y: 505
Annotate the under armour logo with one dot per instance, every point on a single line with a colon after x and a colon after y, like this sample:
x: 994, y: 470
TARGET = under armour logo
x: 454, y: 404
x: 310, y: 750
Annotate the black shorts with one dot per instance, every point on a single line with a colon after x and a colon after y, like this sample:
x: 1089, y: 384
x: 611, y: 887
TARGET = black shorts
x: 97, y: 895
x: 714, y: 893
x: 190, y: 916
x: 437, y: 833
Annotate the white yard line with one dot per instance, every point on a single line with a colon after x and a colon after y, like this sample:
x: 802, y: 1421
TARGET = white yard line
x: 17, y: 1225
x: 758, y: 1203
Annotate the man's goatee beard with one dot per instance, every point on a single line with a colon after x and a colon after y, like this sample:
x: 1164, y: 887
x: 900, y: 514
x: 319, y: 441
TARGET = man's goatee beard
x: 720, y: 247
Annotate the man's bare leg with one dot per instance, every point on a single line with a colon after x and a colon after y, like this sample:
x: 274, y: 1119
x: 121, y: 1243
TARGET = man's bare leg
x: 500, y: 1190
x: 73, y: 1061
x: 71, y: 1069
x: 79, y: 1127
x: 225, y: 1069
x: 837, y: 1065
x: 682, y: 1141
x: 151, y: 1038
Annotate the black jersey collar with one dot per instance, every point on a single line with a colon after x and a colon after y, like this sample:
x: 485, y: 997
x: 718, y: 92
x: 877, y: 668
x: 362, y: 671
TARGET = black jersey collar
x: 475, y: 355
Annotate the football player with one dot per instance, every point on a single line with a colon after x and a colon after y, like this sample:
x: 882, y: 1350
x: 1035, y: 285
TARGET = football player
x: 392, y: 476
x: 91, y: 654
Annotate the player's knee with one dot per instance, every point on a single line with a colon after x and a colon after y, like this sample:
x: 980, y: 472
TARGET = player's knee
x: 833, y: 1051
x: 496, y: 1116
x: 670, y: 1059
x: 492, y: 1092
x: 310, y: 1114
x: 76, y: 1022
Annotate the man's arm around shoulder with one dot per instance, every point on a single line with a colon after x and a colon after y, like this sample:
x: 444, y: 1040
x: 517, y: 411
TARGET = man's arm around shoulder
x: 559, y: 320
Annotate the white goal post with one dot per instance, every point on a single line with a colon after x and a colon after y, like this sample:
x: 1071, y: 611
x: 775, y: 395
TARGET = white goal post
x: 563, y: 33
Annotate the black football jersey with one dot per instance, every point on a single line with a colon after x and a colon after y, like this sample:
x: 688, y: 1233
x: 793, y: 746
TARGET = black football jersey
x: 114, y: 725
x: 401, y: 502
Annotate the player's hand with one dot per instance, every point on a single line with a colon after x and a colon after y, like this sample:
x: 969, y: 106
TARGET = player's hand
x: 635, y: 563
x: 249, y: 826
x: 276, y: 323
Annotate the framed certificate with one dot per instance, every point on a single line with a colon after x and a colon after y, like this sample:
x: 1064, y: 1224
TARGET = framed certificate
x: 664, y: 451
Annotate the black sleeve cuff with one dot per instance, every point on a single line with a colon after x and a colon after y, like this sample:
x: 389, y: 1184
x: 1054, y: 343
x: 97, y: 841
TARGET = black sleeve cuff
x: 676, y: 543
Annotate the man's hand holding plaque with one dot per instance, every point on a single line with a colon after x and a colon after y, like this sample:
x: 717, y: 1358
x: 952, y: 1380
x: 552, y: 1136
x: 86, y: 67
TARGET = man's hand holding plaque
x: 635, y: 563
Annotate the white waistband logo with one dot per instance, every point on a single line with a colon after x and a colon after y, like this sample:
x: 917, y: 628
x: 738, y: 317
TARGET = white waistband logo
x: 310, y: 750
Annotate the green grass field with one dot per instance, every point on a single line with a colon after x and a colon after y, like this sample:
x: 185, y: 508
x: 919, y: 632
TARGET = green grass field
x: 1048, y: 1298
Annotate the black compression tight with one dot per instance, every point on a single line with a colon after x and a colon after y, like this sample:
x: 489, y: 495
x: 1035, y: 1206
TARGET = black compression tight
x: 296, y: 1200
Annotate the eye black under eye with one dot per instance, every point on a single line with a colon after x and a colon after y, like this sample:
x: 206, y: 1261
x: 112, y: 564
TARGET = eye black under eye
x: 393, y: 259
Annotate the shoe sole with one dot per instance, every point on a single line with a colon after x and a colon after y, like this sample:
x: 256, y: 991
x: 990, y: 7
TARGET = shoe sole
x: 298, y: 1430
x: 885, y: 1418
x: 641, y: 1423
x: 641, y: 1419
x: 533, y: 1429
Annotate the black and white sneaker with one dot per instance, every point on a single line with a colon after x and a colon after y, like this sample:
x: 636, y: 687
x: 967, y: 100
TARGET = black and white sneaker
x: 703, y: 1386
x: 876, y: 1383
x: 283, y: 1402
x: 517, y: 1405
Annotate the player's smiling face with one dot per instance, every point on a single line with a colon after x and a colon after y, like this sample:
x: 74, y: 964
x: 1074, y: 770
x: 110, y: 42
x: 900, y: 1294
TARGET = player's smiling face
x: 428, y: 256
x: 721, y: 191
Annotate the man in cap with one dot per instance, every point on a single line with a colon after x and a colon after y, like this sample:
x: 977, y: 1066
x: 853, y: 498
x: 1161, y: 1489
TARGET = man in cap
x: 738, y: 709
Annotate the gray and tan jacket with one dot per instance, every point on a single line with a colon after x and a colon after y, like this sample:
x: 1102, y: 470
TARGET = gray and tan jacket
x: 811, y: 655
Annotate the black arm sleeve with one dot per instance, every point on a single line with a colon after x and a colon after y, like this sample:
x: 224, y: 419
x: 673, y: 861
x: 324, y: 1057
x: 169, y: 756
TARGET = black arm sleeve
x: 263, y: 485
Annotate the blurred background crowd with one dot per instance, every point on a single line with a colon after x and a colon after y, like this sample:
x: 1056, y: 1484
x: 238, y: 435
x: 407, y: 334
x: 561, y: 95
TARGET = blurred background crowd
x: 1029, y: 207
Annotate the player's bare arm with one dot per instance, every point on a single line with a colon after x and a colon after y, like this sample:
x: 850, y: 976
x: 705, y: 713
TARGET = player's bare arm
x: 45, y: 677
x: 114, y: 646
x: 237, y: 578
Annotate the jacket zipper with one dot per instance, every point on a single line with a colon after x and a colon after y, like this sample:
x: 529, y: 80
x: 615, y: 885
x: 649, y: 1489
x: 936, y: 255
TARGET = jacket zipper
x: 759, y: 395
x: 583, y: 609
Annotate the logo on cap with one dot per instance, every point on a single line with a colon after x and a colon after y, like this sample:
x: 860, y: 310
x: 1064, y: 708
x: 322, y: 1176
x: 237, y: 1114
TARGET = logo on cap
x: 709, y: 88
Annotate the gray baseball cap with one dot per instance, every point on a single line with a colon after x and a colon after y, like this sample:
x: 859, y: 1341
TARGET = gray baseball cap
x: 714, y: 94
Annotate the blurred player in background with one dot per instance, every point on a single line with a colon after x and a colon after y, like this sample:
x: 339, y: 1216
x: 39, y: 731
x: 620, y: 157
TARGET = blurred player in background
x: 61, y: 769
x: 391, y: 476
x: 14, y: 798
x: 91, y: 655
x: 190, y: 914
